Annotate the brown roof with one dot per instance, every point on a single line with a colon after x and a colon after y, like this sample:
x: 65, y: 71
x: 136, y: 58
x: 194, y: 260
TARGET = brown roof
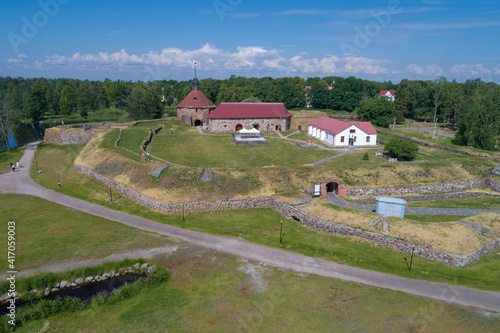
x: 250, y: 110
x: 335, y: 126
x: 196, y: 100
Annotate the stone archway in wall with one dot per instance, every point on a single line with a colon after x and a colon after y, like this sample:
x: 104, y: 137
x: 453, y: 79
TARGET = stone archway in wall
x: 333, y: 186
x: 197, y: 122
x: 238, y: 127
x: 300, y: 128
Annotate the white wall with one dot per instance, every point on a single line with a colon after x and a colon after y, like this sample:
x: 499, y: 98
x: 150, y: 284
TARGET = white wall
x: 360, y: 137
x: 336, y: 140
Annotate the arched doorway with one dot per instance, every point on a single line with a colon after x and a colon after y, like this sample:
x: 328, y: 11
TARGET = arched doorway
x: 197, y: 122
x: 238, y: 127
x: 332, y: 187
x: 300, y: 128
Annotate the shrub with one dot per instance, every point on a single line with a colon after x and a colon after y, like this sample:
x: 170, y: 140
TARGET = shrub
x: 402, y: 149
x: 366, y: 157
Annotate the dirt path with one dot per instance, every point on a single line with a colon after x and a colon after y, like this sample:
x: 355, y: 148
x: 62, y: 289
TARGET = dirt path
x: 21, y: 183
x: 63, y: 266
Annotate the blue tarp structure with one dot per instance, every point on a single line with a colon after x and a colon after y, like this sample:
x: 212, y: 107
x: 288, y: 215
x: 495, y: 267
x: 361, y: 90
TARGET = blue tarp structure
x: 391, y: 206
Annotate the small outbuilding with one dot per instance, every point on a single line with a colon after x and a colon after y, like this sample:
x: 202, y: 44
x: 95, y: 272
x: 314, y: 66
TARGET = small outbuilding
x: 391, y: 207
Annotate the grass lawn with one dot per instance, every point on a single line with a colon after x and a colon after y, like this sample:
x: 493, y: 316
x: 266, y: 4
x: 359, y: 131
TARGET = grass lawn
x: 483, y: 202
x: 188, y: 148
x: 442, y: 140
x: 434, y: 218
x: 47, y: 232
x: 7, y: 157
x: 212, y: 292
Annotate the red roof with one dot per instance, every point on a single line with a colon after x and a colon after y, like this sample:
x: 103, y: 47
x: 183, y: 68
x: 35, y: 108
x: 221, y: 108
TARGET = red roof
x: 250, y: 110
x: 384, y: 92
x: 335, y: 126
x: 196, y: 100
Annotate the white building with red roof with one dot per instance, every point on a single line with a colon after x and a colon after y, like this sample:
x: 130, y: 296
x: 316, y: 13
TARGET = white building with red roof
x: 195, y: 107
x: 389, y: 94
x: 233, y: 117
x: 339, y: 133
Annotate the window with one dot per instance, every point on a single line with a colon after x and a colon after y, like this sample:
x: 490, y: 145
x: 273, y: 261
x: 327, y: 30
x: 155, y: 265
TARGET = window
x: 368, y: 138
x: 341, y: 139
x: 352, y: 131
x: 354, y: 139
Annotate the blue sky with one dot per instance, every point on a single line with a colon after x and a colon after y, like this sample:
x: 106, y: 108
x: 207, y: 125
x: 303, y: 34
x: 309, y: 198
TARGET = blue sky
x: 149, y: 40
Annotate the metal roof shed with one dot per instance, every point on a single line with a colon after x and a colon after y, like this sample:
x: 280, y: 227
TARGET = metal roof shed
x: 391, y: 206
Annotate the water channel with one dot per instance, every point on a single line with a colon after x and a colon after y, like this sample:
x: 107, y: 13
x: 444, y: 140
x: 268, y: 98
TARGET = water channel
x: 84, y: 292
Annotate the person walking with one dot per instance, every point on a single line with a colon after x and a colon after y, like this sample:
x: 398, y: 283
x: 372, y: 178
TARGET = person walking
x: 13, y: 167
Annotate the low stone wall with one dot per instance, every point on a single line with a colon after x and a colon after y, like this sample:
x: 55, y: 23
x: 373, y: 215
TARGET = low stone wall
x: 418, y: 189
x: 177, y: 207
x: 148, y: 139
x: 294, y: 214
x: 331, y: 227
x: 370, y: 201
x: 424, y: 143
x: 71, y: 136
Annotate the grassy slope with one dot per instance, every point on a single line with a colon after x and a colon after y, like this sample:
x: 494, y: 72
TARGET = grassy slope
x: 489, y: 203
x: 212, y: 292
x: 187, y: 147
x: 7, y: 157
x: 262, y: 226
x: 47, y: 232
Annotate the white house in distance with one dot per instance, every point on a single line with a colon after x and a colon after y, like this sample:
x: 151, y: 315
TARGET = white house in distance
x: 343, y: 133
x: 389, y: 94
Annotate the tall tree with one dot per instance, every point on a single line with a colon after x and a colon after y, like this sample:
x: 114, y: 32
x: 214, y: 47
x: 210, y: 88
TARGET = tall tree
x: 144, y: 103
x: 380, y: 112
x: 8, y: 117
x: 67, y: 100
x: 37, y: 100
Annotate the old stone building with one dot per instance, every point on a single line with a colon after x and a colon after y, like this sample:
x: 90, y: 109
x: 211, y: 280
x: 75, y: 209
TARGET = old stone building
x: 232, y: 117
x: 195, y: 108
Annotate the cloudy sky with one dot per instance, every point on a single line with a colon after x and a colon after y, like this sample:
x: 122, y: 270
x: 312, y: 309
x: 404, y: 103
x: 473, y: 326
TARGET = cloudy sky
x: 150, y: 40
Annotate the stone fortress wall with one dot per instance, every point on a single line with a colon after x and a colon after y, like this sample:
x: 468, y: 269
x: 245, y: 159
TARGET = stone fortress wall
x: 297, y: 215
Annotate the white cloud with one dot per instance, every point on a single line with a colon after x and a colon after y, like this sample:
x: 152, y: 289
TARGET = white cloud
x: 210, y: 58
x: 496, y: 70
x: 302, y: 12
x: 470, y: 70
x: 19, y: 60
x: 246, y: 15
x: 448, y: 26
x: 430, y: 70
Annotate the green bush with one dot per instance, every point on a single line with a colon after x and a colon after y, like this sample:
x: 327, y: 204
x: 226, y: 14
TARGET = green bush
x: 366, y: 157
x: 401, y: 149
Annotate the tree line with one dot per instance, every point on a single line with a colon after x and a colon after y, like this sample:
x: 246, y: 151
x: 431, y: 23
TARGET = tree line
x: 473, y: 107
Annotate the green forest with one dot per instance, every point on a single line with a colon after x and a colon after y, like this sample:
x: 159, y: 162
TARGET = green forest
x: 472, y: 107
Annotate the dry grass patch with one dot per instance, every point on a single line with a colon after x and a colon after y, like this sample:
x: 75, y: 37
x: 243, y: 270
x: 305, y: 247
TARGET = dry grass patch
x: 490, y: 221
x: 320, y: 208
x: 449, y: 237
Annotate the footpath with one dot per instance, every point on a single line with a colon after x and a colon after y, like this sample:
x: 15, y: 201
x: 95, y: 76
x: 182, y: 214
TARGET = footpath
x: 20, y: 182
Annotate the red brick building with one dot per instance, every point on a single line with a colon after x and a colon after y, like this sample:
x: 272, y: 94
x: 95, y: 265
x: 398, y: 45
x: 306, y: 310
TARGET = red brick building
x: 195, y: 108
x: 232, y: 117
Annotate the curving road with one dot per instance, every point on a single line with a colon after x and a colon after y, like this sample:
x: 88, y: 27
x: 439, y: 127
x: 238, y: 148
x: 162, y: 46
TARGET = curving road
x: 21, y: 183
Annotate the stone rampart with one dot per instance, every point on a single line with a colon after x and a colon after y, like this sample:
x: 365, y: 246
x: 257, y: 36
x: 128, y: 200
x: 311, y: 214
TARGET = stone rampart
x: 70, y: 136
x: 297, y: 215
x: 419, y: 189
x: 370, y: 201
